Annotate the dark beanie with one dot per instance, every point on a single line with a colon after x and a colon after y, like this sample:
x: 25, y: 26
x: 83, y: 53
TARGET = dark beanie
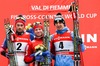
x: 59, y: 18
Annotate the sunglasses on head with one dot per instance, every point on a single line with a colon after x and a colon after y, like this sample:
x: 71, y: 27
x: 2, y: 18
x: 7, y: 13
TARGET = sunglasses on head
x: 17, y: 18
x: 36, y: 23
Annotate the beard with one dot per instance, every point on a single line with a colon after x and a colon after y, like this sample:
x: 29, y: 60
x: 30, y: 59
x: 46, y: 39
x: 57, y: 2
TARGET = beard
x: 19, y: 32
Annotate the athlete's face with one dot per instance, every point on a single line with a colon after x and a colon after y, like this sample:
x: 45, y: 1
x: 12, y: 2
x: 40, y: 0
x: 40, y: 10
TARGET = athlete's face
x: 19, y: 27
x: 59, y: 25
x: 38, y: 32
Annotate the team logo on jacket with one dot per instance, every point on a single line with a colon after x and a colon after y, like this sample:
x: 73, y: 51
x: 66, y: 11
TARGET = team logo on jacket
x: 21, y: 39
x: 59, y: 38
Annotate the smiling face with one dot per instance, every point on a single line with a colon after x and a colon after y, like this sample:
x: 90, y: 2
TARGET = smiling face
x: 38, y: 32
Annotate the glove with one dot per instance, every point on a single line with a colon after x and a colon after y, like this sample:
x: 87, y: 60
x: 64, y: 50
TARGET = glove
x: 79, y: 41
x: 47, y: 54
x: 8, y: 55
x: 32, y: 55
x: 39, y: 58
x: 37, y: 53
x: 2, y: 51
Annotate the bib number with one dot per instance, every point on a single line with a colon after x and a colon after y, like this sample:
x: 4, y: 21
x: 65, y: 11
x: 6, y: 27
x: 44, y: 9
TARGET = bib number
x: 19, y: 46
x: 61, y: 45
x: 64, y: 45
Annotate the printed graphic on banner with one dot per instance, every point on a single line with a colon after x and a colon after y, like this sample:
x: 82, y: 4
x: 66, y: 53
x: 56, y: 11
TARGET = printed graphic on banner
x: 36, y: 10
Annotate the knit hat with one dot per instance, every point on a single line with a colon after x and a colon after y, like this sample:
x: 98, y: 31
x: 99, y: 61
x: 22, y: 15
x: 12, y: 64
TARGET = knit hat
x: 59, y: 18
x: 20, y: 19
x: 37, y: 25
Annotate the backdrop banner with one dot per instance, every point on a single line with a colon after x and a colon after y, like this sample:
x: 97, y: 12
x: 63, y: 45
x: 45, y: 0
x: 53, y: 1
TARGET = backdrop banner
x: 35, y: 10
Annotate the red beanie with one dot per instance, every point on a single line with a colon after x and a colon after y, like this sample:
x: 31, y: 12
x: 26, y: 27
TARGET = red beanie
x: 38, y: 26
x: 20, y: 21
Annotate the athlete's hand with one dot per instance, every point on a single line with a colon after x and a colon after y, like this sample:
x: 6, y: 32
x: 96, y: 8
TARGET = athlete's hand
x: 2, y: 51
x: 39, y: 58
x: 36, y: 54
x: 79, y: 41
x: 8, y: 55
x: 47, y: 54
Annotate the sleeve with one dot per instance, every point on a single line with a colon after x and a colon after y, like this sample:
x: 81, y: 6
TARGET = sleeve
x: 82, y: 47
x: 31, y: 36
x: 52, y: 47
x: 29, y: 51
x: 30, y: 31
x: 4, y: 45
x: 3, y: 48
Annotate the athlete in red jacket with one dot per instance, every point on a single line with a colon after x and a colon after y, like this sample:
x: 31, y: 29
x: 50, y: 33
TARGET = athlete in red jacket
x: 38, y: 30
x: 20, y: 40
x: 62, y: 43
